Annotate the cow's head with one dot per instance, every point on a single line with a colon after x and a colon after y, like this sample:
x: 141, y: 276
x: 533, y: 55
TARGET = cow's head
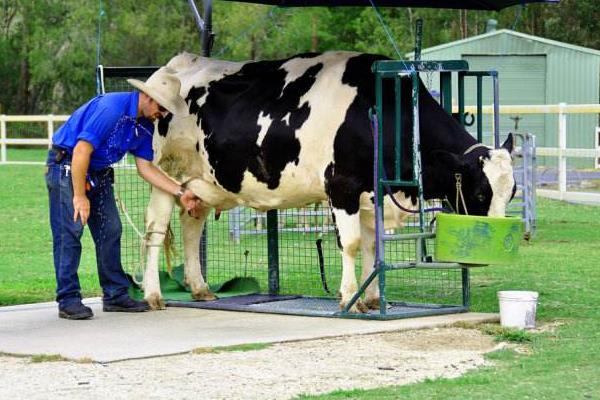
x: 486, y: 178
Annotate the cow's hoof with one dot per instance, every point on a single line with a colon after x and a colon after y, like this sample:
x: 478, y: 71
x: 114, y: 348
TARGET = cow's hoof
x: 204, y: 295
x: 155, y: 302
x: 372, y: 303
x: 358, y: 308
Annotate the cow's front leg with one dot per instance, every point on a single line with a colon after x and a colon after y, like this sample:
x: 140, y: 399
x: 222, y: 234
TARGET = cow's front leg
x: 367, y: 250
x: 349, y: 238
x: 192, y: 232
x: 158, y: 215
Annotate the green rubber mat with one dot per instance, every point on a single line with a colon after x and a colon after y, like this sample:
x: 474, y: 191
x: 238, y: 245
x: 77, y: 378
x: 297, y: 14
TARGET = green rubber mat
x: 172, y: 286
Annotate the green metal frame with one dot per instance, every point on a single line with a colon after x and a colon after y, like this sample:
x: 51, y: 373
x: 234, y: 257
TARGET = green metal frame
x: 395, y: 70
x: 479, y: 75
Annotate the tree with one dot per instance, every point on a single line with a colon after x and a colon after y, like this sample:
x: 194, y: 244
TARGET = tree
x: 48, y: 47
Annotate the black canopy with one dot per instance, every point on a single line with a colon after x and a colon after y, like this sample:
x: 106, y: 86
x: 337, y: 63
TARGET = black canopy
x: 459, y: 4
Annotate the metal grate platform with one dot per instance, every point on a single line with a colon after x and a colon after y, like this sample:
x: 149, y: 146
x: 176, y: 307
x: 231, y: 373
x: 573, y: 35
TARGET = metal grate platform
x: 314, y: 307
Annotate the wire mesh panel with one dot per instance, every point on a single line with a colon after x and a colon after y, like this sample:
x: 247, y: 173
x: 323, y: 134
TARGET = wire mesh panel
x: 424, y: 286
x: 309, y: 262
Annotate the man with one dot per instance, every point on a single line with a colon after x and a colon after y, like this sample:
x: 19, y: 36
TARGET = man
x: 80, y: 185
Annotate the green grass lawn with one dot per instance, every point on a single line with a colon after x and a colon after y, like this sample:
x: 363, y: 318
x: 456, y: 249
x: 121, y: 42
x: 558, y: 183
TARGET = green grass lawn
x: 562, y: 263
x: 27, y: 272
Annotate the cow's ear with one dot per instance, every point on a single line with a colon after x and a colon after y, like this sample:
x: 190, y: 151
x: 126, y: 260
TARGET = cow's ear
x: 448, y: 161
x: 509, y: 143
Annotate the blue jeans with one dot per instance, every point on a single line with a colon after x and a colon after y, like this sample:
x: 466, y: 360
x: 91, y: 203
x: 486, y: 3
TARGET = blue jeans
x: 105, y: 227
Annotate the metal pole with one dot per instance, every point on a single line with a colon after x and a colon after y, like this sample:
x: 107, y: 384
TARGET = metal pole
x: 204, y: 26
x: 207, y: 33
x: 446, y: 93
x: 479, y: 109
x: 461, y: 97
x: 99, y: 79
x: 203, y: 253
x: 378, y: 171
x: 496, y: 109
x: 197, y: 18
x: 417, y: 168
x: 466, y: 288
x: 418, y: 38
x: 273, y: 251
x: 398, y: 128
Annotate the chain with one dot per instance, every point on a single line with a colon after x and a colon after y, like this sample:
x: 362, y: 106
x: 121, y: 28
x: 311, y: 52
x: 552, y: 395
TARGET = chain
x: 459, y: 193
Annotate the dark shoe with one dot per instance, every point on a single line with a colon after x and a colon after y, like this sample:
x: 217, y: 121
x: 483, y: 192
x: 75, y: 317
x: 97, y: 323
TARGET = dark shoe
x: 126, y: 304
x: 75, y: 311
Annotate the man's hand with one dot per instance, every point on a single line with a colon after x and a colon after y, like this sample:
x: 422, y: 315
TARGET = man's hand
x: 191, y: 203
x: 81, y: 205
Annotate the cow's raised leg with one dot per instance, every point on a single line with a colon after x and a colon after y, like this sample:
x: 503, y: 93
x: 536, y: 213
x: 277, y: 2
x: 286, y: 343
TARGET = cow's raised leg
x: 367, y: 249
x: 192, y: 231
x: 349, y: 239
x: 158, y: 215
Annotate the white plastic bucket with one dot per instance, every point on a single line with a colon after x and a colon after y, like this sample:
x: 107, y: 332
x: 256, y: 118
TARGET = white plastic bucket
x: 517, y: 308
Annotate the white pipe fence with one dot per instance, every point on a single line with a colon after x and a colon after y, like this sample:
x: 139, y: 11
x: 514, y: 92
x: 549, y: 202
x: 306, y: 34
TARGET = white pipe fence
x: 562, y: 152
x: 5, y: 141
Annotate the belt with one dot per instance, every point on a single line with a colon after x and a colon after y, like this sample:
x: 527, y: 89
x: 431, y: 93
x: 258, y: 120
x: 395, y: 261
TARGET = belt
x: 59, y: 148
x: 61, y: 153
x: 100, y: 173
x: 100, y: 176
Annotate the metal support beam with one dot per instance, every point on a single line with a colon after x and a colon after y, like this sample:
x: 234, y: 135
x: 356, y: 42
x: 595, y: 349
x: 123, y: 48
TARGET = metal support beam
x: 204, y: 25
x: 273, y: 251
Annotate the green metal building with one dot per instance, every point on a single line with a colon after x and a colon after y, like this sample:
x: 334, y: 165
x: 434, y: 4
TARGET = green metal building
x: 532, y: 71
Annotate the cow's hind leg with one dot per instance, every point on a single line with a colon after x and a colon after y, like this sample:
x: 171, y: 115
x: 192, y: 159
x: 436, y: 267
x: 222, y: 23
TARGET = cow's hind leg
x: 158, y: 216
x: 192, y: 232
x: 349, y: 239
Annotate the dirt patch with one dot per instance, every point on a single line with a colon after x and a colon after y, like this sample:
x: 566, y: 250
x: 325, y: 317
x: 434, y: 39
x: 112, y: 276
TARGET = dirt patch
x: 281, y: 371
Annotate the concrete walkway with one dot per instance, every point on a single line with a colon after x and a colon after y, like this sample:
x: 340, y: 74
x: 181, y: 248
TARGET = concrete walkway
x: 36, y: 329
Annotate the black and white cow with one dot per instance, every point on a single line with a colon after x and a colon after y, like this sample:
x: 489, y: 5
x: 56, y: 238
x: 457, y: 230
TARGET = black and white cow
x: 287, y: 133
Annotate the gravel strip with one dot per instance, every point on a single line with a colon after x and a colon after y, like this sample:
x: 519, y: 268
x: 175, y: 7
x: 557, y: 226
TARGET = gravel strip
x: 280, y: 371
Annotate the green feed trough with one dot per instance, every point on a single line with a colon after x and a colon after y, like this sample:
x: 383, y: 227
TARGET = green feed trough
x: 471, y: 239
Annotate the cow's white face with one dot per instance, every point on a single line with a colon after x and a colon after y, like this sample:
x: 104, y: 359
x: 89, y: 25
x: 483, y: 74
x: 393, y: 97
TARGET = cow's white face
x: 499, y: 172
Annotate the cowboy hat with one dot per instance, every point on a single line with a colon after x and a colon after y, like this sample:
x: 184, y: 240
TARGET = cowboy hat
x: 164, y: 88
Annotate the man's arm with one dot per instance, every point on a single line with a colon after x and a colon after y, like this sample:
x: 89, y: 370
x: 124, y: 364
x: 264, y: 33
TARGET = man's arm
x: 160, y: 180
x: 79, y: 167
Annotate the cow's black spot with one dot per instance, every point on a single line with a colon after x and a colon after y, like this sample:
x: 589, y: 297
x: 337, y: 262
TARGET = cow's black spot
x: 191, y: 99
x: 353, y: 145
x: 163, y: 124
x: 329, y: 172
x: 229, y: 119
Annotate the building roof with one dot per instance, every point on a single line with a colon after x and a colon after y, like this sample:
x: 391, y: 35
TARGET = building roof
x: 512, y: 33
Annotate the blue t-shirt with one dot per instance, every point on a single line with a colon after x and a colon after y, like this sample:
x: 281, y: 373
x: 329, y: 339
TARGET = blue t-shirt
x: 108, y: 123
